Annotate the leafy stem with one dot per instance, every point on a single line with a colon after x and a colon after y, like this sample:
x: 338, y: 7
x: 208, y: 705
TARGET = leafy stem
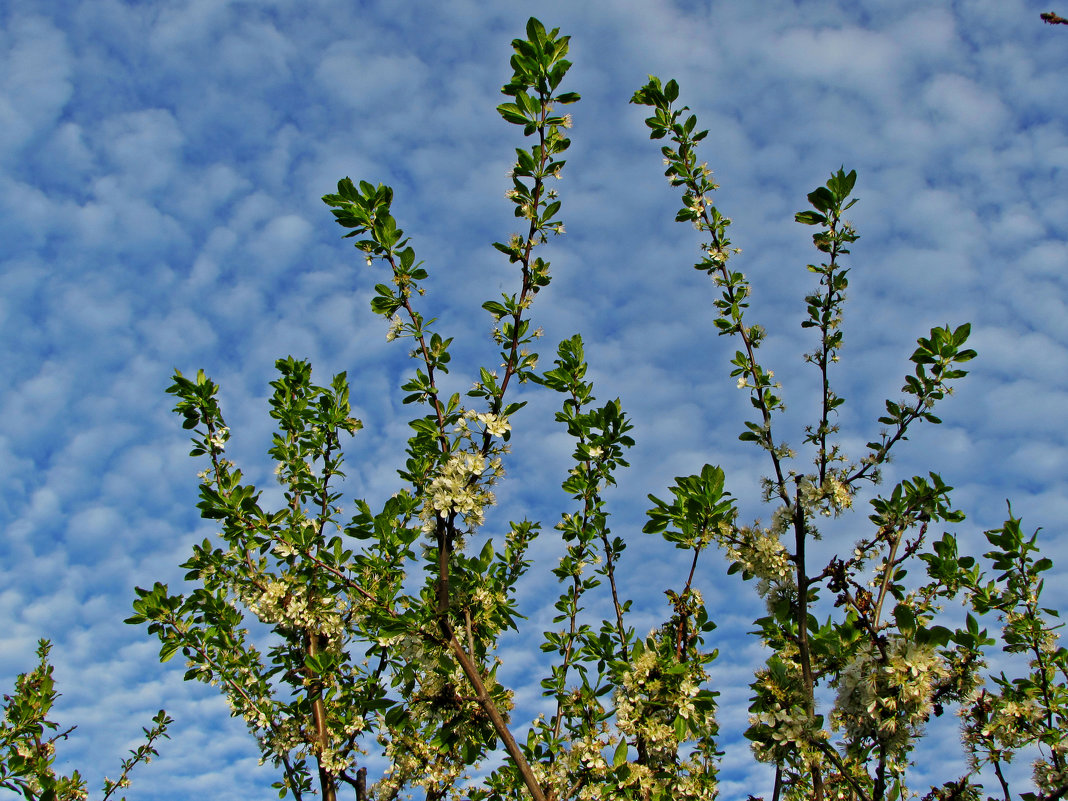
x: 684, y: 171
x: 825, y: 306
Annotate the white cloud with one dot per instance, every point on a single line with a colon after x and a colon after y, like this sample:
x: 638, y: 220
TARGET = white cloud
x: 257, y: 48
x: 278, y: 243
x: 346, y: 71
x: 143, y: 147
x: 957, y: 101
x: 846, y: 57
x: 35, y: 83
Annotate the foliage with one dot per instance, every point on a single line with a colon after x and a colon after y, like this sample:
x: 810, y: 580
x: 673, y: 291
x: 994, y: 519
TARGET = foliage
x: 27, y: 752
x: 384, y: 627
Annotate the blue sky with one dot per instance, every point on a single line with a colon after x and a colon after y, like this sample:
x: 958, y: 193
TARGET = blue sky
x: 161, y: 165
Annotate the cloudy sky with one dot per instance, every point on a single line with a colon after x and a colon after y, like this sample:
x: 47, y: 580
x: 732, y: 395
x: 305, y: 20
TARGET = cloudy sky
x: 161, y: 165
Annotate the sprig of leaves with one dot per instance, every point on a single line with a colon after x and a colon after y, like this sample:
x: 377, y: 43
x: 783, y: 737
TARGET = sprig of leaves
x: 28, y: 749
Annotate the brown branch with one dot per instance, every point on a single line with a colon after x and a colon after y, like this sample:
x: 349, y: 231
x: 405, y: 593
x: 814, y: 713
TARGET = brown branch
x: 1052, y: 19
x: 500, y: 726
x: 889, y: 570
x: 682, y: 636
x: 610, y: 571
x: 804, y: 655
x: 327, y: 784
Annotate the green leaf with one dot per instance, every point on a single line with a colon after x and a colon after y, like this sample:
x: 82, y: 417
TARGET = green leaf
x: 535, y: 30
x: 810, y: 218
x: 905, y: 618
x: 512, y: 113
x: 841, y: 184
x: 681, y: 728
x: 168, y: 650
x: 822, y: 199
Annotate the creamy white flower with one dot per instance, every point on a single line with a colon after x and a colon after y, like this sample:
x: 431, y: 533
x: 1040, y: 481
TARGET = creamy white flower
x: 887, y: 700
x: 396, y: 325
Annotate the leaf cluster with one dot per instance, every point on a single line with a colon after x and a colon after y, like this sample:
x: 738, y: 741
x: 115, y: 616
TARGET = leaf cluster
x: 28, y: 740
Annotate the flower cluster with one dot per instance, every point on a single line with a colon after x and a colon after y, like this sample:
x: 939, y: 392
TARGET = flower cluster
x: 832, y: 497
x: 993, y: 727
x: 288, y: 604
x: 884, y: 696
x: 437, y: 700
x: 496, y: 425
x: 1049, y: 778
x: 785, y: 729
x: 640, y: 707
x: 218, y: 439
x: 461, y: 488
x: 583, y: 765
x: 781, y: 729
x: 659, y: 705
x: 759, y: 551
